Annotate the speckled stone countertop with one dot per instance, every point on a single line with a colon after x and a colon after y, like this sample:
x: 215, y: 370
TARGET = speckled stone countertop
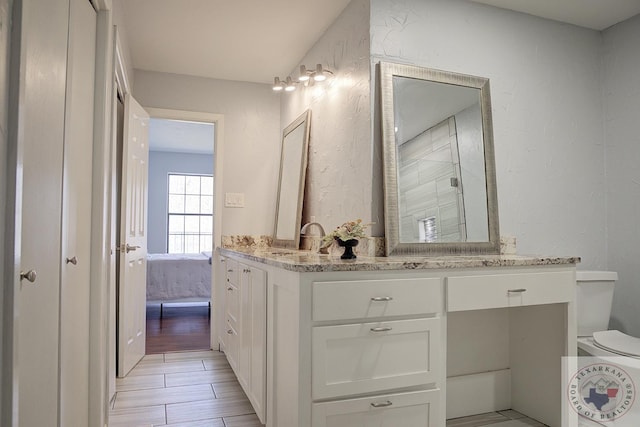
x: 307, y: 262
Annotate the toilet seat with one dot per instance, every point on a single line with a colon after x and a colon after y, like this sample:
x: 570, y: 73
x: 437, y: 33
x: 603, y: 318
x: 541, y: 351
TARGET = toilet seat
x: 617, y: 342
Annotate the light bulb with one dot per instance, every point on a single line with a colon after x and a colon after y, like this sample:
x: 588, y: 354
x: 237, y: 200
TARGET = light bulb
x: 318, y: 75
x: 304, y: 75
x: 289, y: 87
x: 277, y: 84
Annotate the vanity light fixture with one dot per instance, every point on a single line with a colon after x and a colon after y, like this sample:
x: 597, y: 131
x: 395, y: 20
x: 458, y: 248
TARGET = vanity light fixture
x: 309, y: 76
x: 304, y: 74
x: 320, y: 74
x: 306, y: 77
x: 277, y: 84
x: 288, y: 85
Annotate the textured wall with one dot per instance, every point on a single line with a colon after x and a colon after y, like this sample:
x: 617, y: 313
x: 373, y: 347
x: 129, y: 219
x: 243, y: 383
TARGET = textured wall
x: 621, y: 101
x: 545, y: 80
x: 161, y: 163
x: 251, y: 138
x: 340, y: 166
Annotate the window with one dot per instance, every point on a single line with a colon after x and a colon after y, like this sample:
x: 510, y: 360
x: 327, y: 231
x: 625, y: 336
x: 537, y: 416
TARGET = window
x: 190, y: 214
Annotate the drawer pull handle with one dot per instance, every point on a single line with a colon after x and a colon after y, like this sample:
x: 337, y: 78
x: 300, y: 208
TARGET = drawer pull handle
x: 381, y: 404
x: 383, y: 329
x: 230, y: 332
x: 229, y: 288
x: 230, y: 270
x: 381, y: 299
x: 516, y: 291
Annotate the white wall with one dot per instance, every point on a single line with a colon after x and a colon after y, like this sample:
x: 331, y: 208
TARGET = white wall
x: 340, y: 151
x: 161, y: 163
x: 251, y: 138
x: 119, y: 22
x: 621, y: 102
x: 546, y: 111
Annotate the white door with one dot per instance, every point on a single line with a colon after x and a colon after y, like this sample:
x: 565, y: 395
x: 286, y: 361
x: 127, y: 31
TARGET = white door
x: 38, y: 189
x: 76, y: 216
x: 132, y: 286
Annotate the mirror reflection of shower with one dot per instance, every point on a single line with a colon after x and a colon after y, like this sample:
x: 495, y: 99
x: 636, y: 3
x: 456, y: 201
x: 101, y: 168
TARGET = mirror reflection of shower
x: 427, y: 230
x: 440, y: 162
x: 430, y: 177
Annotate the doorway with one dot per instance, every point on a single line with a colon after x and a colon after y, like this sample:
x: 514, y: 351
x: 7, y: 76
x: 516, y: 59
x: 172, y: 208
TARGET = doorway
x: 170, y: 307
x: 180, y: 235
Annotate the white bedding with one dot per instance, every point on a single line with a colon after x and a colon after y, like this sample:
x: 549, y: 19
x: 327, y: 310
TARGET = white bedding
x: 178, y: 277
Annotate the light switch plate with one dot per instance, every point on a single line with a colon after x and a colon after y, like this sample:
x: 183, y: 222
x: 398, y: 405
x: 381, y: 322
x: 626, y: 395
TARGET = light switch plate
x: 234, y: 200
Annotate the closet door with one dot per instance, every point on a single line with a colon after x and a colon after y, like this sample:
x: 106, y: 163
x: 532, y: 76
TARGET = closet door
x: 76, y: 216
x: 39, y: 140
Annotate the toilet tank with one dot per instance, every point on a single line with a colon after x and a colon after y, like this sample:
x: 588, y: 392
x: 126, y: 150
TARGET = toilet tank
x: 594, y: 298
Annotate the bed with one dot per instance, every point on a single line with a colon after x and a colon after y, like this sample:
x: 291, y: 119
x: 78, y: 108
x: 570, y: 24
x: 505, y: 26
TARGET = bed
x: 178, y: 278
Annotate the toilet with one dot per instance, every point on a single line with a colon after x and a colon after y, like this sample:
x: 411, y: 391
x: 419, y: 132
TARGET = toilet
x: 594, y: 298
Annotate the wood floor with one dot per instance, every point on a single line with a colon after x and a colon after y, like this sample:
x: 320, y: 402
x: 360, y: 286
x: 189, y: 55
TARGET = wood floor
x: 181, y: 327
x: 187, y: 389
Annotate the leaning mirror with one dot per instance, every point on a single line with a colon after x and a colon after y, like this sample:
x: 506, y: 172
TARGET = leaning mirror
x: 439, y: 168
x: 293, y: 168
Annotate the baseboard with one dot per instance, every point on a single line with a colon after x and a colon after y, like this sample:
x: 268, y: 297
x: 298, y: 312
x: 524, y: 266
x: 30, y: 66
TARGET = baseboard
x: 478, y: 393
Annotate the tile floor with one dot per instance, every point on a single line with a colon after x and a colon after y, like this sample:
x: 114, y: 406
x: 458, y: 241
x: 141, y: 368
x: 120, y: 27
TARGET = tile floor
x: 187, y: 389
x: 508, y: 418
x: 199, y: 389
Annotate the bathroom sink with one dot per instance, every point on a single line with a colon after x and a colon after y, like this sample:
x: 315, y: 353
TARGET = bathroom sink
x: 283, y: 252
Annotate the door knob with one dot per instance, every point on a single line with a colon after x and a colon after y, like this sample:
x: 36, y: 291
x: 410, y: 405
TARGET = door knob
x: 30, y: 275
x: 127, y: 248
x: 73, y: 260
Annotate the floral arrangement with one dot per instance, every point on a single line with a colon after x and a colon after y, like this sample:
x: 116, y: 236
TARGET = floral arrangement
x: 347, y: 231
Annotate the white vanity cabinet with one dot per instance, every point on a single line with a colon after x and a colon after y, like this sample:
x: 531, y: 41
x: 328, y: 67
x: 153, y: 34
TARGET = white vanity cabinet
x: 412, y: 343
x: 244, y: 338
x: 355, y: 348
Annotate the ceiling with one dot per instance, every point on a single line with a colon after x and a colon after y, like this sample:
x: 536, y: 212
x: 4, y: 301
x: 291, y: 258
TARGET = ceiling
x: 244, y: 40
x: 180, y: 136
x: 594, y: 14
x: 255, y: 40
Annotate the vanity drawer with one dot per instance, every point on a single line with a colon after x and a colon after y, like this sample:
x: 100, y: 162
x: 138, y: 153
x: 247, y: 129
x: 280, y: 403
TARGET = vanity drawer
x: 413, y: 409
x: 370, y: 357
x: 509, y: 290
x: 361, y: 299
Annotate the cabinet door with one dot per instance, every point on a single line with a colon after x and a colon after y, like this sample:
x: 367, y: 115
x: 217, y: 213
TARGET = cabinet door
x: 415, y: 409
x: 253, y: 336
x: 219, y: 309
x: 258, y: 360
x: 232, y: 346
x: 369, y: 357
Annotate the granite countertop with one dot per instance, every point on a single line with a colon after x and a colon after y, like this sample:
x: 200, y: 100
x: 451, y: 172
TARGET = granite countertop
x: 307, y: 262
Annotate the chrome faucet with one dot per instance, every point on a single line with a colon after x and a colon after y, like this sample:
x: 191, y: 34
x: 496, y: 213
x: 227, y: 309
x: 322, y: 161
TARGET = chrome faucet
x: 304, y: 228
